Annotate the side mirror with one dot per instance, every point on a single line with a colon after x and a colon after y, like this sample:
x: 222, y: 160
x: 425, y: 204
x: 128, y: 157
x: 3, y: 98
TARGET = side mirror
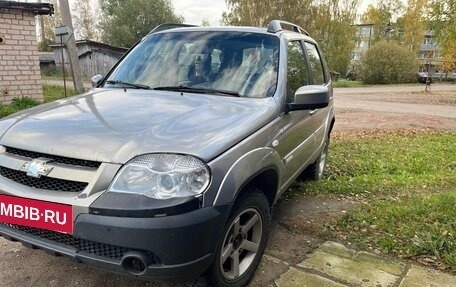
x: 96, y: 80
x: 310, y: 98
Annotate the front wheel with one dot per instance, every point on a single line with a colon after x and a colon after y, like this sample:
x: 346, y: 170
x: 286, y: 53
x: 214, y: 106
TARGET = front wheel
x: 243, y: 242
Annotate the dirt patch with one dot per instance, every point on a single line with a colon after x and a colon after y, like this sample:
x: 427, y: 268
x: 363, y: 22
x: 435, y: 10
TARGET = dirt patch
x: 348, y: 119
x: 374, y: 109
x: 446, y: 98
x: 301, y: 224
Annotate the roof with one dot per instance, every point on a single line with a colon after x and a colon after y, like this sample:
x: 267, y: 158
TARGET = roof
x: 274, y: 27
x: 46, y: 57
x: 241, y: 29
x: 36, y: 8
x: 95, y: 44
x: 215, y: 28
x: 101, y: 45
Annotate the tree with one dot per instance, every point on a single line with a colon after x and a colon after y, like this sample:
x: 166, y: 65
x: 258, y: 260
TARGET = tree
x: 328, y: 21
x: 85, y: 18
x: 333, y: 28
x: 260, y: 12
x: 414, y: 24
x: 205, y: 23
x: 381, y: 16
x: 449, y: 60
x: 442, y: 17
x: 249, y: 12
x: 127, y: 21
x: 387, y: 62
x: 47, y: 28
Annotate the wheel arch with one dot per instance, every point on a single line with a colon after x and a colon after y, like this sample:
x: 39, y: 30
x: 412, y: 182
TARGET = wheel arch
x: 266, y: 180
x: 331, y: 125
x: 261, y: 168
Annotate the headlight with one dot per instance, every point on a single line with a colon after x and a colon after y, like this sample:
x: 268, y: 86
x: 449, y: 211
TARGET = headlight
x: 162, y: 176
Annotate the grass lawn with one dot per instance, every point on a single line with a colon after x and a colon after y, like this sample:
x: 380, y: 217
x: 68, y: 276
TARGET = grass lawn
x: 343, y: 83
x: 54, y: 92
x: 50, y: 93
x: 406, y: 182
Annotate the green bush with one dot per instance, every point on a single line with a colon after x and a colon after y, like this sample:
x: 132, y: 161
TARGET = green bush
x: 6, y: 110
x: 388, y: 63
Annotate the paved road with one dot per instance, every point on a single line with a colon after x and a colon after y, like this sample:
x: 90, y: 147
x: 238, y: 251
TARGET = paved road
x: 396, y: 89
x: 345, y: 100
x: 396, y: 107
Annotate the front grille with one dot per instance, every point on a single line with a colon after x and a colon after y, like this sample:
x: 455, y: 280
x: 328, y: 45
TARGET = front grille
x: 44, y: 182
x: 82, y: 245
x: 56, y: 159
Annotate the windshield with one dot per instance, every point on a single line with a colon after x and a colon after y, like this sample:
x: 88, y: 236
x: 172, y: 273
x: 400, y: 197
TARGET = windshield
x: 235, y: 62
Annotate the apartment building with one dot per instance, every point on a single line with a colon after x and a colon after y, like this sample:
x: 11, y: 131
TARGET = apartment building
x: 429, y: 55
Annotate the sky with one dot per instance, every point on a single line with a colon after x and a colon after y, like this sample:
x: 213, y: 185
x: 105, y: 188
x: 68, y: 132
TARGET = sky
x: 195, y: 11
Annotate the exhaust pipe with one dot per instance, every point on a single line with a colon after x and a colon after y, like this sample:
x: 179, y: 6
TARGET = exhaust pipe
x: 135, y: 263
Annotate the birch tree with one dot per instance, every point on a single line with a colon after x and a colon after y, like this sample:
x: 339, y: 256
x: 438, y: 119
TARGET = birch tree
x: 442, y: 17
x: 85, y: 19
x: 47, y: 24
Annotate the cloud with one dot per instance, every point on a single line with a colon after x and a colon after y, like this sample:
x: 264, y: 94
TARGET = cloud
x: 195, y: 12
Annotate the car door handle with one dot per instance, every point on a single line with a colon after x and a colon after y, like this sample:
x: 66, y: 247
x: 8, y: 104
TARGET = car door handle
x: 312, y: 112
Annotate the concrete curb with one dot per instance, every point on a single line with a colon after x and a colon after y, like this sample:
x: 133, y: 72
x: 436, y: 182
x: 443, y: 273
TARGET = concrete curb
x: 334, y: 265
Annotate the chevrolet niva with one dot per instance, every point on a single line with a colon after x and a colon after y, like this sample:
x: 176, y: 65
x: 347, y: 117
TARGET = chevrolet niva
x: 170, y: 165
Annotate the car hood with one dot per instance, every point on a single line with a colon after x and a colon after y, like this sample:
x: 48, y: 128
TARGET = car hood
x: 114, y: 125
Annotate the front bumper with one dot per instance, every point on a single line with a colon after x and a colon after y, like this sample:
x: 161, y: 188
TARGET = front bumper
x: 177, y: 247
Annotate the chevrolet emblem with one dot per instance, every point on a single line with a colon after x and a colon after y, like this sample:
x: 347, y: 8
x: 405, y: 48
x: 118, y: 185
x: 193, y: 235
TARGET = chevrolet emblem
x: 37, y: 167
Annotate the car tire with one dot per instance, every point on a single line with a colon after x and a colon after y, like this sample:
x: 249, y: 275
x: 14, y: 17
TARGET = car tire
x: 316, y: 170
x: 243, y: 241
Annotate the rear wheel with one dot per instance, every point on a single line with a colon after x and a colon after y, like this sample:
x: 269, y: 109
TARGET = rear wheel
x: 243, y: 242
x: 316, y: 170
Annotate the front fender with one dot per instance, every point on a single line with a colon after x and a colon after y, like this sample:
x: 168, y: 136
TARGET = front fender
x: 244, y: 170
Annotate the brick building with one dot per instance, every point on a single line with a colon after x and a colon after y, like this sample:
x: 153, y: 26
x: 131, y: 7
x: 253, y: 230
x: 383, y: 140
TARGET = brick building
x: 19, y: 59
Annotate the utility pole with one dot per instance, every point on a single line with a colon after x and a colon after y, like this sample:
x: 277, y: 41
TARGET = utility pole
x: 71, y: 46
x: 428, y: 64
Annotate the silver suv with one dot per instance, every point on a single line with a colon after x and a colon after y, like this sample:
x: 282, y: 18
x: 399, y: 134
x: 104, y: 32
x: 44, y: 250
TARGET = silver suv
x: 170, y: 166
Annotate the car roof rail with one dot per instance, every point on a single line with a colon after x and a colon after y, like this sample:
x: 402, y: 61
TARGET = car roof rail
x: 167, y: 26
x: 276, y: 26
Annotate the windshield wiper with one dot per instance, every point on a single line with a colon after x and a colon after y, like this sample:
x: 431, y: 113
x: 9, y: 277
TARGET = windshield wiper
x: 137, y: 86
x: 198, y: 90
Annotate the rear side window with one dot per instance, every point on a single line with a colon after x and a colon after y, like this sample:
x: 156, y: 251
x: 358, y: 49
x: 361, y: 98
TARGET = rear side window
x: 297, y: 68
x: 316, y: 66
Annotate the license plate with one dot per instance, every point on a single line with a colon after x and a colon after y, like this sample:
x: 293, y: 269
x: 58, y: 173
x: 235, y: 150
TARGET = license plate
x: 36, y: 213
